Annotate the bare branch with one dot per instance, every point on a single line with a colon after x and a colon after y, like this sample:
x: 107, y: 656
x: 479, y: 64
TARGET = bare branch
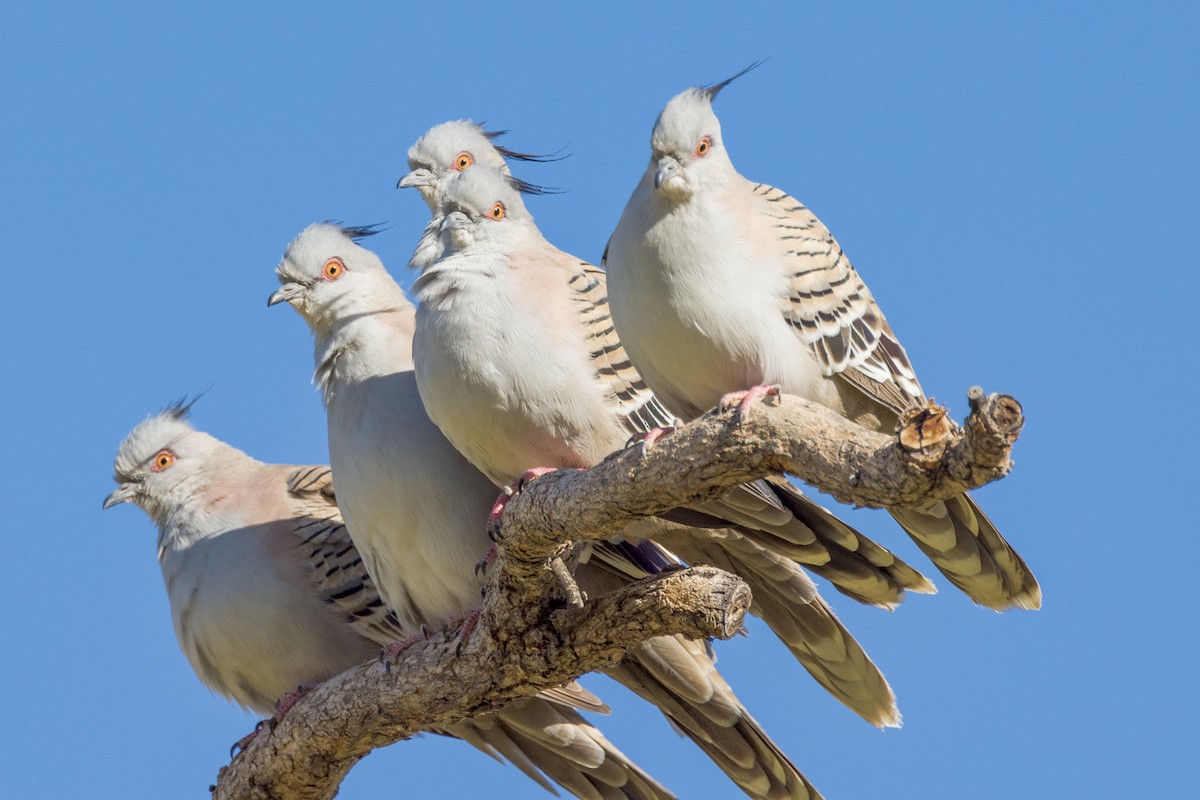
x: 536, y: 631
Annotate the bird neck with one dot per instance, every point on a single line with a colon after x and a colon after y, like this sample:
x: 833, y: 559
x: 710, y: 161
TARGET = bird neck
x: 363, y: 346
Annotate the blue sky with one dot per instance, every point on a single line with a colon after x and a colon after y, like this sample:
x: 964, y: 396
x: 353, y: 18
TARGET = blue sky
x: 1016, y: 182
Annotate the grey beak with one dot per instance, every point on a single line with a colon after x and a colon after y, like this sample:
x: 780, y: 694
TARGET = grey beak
x: 414, y: 179
x: 285, y: 294
x: 123, y: 494
x: 453, y: 220
x: 668, y: 168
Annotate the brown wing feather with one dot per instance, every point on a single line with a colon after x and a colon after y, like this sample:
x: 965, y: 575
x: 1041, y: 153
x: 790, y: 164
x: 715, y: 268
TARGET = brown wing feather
x: 639, y: 410
x: 832, y: 310
x: 338, y: 571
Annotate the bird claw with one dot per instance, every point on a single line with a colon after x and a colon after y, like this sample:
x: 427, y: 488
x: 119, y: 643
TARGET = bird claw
x: 743, y: 400
x: 289, y: 699
x: 493, y: 520
x: 391, y: 652
x: 481, y: 568
x: 467, y: 620
x: 241, y: 743
x: 508, y: 493
x: 282, y: 706
x: 648, y: 438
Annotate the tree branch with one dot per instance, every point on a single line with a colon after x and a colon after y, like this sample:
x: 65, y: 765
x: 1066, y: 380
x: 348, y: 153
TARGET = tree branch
x: 535, y: 631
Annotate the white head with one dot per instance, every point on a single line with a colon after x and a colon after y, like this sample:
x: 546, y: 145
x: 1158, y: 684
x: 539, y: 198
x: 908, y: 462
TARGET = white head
x: 484, y: 207
x: 326, y: 275
x: 164, y: 462
x: 449, y: 149
x: 686, y: 149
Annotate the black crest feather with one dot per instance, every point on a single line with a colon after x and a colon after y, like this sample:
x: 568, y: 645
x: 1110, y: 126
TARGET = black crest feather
x: 181, y: 409
x: 360, y: 232
x: 517, y: 155
x: 714, y: 89
x: 525, y: 187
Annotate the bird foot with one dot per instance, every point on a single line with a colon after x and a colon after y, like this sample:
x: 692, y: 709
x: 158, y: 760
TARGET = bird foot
x: 508, y: 493
x: 241, y: 743
x: 390, y: 653
x: 743, y: 400
x: 466, y: 620
x: 648, y: 438
x: 481, y: 568
x: 289, y: 699
x: 282, y: 706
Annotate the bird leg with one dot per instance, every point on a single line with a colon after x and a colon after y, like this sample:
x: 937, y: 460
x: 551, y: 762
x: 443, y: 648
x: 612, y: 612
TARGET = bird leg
x: 743, y: 400
x: 508, y: 493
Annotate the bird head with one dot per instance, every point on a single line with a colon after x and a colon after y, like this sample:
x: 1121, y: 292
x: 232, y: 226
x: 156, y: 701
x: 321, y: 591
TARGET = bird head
x: 450, y: 149
x: 482, y: 207
x: 161, y: 462
x: 686, y: 150
x: 326, y: 274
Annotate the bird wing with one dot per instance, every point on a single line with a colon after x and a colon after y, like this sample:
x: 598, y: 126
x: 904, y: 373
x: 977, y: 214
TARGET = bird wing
x: 338, y: 570
x: 832, y: 310
x: 639, y: 410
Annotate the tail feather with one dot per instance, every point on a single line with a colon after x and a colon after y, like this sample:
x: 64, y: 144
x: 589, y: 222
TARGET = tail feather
x: 678, y: 676
x: 779, y: 517
x: 964, y: 544
x: 546, y: 740
x: 786, y: 599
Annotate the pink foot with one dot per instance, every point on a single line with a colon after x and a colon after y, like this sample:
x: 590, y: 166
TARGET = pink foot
x: 466, y: 620
x: 743, y: 400
x: 283, y: 706
x: 241, y: 743
x: 649, y: 438
x: 289, y: 699
x: 391, y: 652
x: 482, y: 567
x: 493, y: 520
x: 506, y: 494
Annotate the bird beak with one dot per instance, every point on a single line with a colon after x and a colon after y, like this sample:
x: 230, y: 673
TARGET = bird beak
x: 668, y: 168
x: 285, y: 294
x: 455, y: 220
x: 416, y: 179
x: 124, y: 494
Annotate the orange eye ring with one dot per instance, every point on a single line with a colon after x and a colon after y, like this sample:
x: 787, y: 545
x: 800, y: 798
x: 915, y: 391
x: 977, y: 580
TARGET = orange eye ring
x: 462, y: 161
x: 333, y: 269
x: 497, y: 211
x: 162, y: 460
x: 703, y: 147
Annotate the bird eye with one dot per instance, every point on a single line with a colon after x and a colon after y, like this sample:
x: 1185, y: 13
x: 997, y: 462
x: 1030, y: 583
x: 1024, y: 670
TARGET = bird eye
x: 333, y: 269
x: 162, y: 460
x: 462, y: 161
x: 496, y: 212
x: 704, y: 146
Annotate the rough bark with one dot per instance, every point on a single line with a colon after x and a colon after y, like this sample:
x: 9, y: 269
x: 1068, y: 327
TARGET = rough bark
x: 536, y: 631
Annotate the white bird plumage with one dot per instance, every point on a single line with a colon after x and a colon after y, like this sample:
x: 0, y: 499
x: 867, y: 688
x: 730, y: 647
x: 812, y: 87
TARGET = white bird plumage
x: 417, y: 509
x: 268, y: 593
x: 719, y: 284
x: 445, y: 151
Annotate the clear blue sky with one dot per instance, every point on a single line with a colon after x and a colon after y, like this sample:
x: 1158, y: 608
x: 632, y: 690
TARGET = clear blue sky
x: 1018, y: 185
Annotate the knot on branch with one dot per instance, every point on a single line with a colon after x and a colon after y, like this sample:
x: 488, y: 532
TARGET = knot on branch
x: 924, y: 433
x: 995, y: 423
